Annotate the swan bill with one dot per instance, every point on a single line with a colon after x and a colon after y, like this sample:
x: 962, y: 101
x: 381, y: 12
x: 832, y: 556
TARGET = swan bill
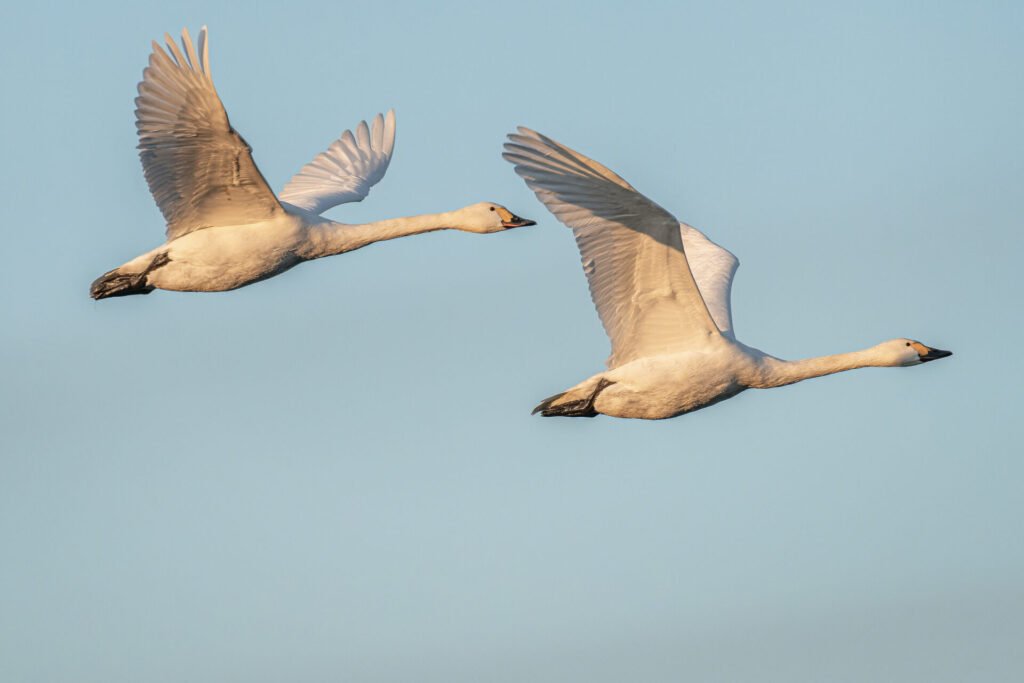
x: 510, y: 220
x: 517, y: 222
x: 935, y: 354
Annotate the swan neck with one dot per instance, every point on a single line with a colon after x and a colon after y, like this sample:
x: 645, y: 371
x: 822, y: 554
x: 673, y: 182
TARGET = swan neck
x: 329, y: 238
x: 776, y: 372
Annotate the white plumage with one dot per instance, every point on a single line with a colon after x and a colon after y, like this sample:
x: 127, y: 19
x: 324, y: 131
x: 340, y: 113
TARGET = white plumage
x: 347, y: 170
x: 225, y: 226
x: 662, y: 290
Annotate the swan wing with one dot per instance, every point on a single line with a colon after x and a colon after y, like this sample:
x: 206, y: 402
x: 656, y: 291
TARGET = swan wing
x: 713, y: 268
x: 631, y: 248
x: 347, y: 170
x: 198, y: 168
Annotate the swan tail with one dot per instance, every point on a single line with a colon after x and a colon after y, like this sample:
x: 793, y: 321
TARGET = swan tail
x: 573, y: 403
x: 118, y: 282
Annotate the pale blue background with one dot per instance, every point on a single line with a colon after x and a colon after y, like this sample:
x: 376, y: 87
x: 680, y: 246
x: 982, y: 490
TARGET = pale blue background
x: 334, y: 476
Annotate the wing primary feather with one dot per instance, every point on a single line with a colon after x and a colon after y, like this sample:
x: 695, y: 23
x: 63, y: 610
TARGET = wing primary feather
x: 389, y: 133
x: 190, y: 50
x: 204, y: 53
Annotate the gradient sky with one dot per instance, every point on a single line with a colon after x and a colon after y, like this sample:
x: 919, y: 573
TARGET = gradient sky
x: 334, y: 476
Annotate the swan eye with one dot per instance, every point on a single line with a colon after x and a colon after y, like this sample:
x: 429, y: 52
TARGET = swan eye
x: 492, y: 208
x: 908, y: 343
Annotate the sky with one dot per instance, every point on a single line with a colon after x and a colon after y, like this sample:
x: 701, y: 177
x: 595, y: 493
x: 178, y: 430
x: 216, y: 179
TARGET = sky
x: 333, y: 475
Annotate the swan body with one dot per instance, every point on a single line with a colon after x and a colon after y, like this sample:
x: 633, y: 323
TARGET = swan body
x: 662, y: 290
x: 225, y: 227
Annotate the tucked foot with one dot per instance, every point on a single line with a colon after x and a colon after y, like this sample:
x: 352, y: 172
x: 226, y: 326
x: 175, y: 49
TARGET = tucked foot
x: 573, y: 407
x: 117, y: 283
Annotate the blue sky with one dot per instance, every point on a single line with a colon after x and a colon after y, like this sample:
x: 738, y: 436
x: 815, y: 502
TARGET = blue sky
x: 333, y: 475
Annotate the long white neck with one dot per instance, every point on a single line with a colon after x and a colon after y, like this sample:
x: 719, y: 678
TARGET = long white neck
x: 329, y: 238
x: 774, y: 372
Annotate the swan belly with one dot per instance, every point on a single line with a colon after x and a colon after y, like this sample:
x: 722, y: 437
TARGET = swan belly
x: 667, y: 386
x: 223, y: 258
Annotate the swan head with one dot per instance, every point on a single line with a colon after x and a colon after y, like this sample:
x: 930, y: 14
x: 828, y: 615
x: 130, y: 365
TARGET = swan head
x: 906, y: 352
x: 486, y: 217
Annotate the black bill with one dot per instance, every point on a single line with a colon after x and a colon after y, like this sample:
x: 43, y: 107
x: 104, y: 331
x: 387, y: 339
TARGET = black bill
x: 517, y: 222
x: 935, y: 354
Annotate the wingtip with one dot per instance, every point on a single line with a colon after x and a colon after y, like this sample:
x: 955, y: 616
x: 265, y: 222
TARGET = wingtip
x: 520, y: 130
x: 511, y: 146
x: 204, y: 53
x: 378, y: 132
x: 389, y: 133
x: 519, y: 142
x: 156, y: 54
x: 189, y: 49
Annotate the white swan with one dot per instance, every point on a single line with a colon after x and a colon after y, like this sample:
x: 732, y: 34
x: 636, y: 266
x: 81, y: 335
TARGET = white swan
x: 662, y: 291
x: 225, y: 227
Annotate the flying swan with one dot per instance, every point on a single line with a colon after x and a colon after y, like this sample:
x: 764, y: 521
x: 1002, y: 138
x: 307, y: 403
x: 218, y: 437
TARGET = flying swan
x: 225, y: 227
x: 662, y: 291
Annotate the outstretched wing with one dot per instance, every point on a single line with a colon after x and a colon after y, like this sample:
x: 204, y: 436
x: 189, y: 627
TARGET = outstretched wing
x: 199, y: 169
x: 347, y: 170
x: 632, y: 250
x: 713, y: 268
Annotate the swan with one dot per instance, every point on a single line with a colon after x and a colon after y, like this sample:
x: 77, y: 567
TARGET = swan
x: 225, y: 227
x: 662, y: 291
